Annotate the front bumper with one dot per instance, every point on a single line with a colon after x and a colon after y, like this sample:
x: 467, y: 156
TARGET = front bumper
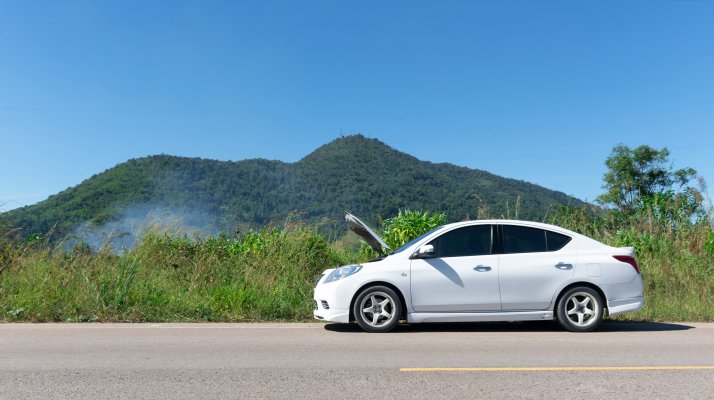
x: 342, y: 316
x: 332, y: 300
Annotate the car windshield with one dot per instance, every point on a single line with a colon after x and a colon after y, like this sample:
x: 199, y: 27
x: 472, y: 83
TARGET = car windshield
x: 416, y: 239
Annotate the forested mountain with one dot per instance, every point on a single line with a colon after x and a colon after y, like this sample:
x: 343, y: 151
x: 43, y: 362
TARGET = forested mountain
x: 364, y: 176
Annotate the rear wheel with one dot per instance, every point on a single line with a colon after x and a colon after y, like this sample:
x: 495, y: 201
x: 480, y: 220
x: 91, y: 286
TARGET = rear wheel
x: 377, y: 309
x: 580, y: 309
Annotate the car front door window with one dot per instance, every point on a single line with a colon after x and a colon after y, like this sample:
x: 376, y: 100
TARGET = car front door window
x: 462, y: 242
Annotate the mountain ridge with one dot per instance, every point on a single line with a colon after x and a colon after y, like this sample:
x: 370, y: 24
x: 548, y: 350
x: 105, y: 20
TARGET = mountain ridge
x: 355, y: 173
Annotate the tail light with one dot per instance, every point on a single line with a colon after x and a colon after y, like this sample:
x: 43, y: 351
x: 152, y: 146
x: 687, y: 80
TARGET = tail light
x: 628, y: 259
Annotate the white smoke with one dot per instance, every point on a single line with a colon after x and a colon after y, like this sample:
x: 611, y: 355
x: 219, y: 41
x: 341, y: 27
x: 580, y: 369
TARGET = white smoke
x: 122, y: 231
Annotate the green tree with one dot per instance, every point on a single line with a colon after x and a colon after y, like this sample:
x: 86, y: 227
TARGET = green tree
x: 642, y: 175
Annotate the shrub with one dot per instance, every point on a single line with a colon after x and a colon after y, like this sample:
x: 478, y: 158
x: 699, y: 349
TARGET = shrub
x: 407, y: 225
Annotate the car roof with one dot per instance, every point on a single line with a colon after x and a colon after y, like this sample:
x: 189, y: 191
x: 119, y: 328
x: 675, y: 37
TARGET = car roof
x: 531, y: 224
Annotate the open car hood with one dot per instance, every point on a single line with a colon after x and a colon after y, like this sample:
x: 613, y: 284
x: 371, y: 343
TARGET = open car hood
x: 374, y: 241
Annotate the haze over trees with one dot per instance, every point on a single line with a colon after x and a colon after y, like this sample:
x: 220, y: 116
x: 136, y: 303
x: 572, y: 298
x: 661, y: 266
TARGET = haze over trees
x: 352, y: 173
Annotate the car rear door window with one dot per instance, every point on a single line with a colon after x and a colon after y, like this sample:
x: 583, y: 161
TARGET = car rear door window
x: 467, y: 241
x: 523, y: 239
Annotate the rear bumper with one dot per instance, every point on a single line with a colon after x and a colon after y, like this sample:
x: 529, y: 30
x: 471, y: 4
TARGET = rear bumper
x: 625, y: 305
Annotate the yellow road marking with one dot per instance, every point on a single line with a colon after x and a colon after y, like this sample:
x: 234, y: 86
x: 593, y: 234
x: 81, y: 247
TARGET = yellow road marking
x: 499, y: 369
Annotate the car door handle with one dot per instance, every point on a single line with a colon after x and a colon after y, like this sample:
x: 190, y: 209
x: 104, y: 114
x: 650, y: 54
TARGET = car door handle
x: 482, y: 268
x: 562, y: 265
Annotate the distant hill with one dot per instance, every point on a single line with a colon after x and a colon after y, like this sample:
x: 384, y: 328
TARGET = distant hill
x: 364, y: 176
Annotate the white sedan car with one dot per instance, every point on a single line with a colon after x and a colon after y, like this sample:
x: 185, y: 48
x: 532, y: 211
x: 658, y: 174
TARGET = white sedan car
x: 487, y: 270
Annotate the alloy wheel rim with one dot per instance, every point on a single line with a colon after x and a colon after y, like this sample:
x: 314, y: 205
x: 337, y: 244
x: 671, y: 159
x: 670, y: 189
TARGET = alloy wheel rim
x: 377, y: 309
x: 582, y: 309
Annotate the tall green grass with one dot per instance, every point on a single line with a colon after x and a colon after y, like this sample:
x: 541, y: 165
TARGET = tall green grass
x: 259, y: 276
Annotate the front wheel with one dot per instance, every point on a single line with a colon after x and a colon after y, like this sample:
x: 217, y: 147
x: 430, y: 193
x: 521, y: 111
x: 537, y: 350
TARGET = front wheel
x: 580, y: 309
x: 377, y: 309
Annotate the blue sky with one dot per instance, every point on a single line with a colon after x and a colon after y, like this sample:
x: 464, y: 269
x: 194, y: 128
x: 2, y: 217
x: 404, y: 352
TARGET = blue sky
x: 539, y: 91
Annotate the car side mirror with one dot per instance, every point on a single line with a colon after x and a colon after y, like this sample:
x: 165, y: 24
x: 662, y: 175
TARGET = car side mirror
x: 425, y: 251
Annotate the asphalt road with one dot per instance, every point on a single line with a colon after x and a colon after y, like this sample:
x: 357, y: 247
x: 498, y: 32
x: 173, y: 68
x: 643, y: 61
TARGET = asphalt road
x: 289, y: 361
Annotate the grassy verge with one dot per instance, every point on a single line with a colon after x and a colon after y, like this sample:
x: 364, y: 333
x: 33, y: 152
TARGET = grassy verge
x: 258, y: 277
x: 269, y: 275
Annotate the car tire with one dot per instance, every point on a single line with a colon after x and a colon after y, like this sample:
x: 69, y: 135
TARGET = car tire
x: 377, y: 309
x: 580, y: 309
